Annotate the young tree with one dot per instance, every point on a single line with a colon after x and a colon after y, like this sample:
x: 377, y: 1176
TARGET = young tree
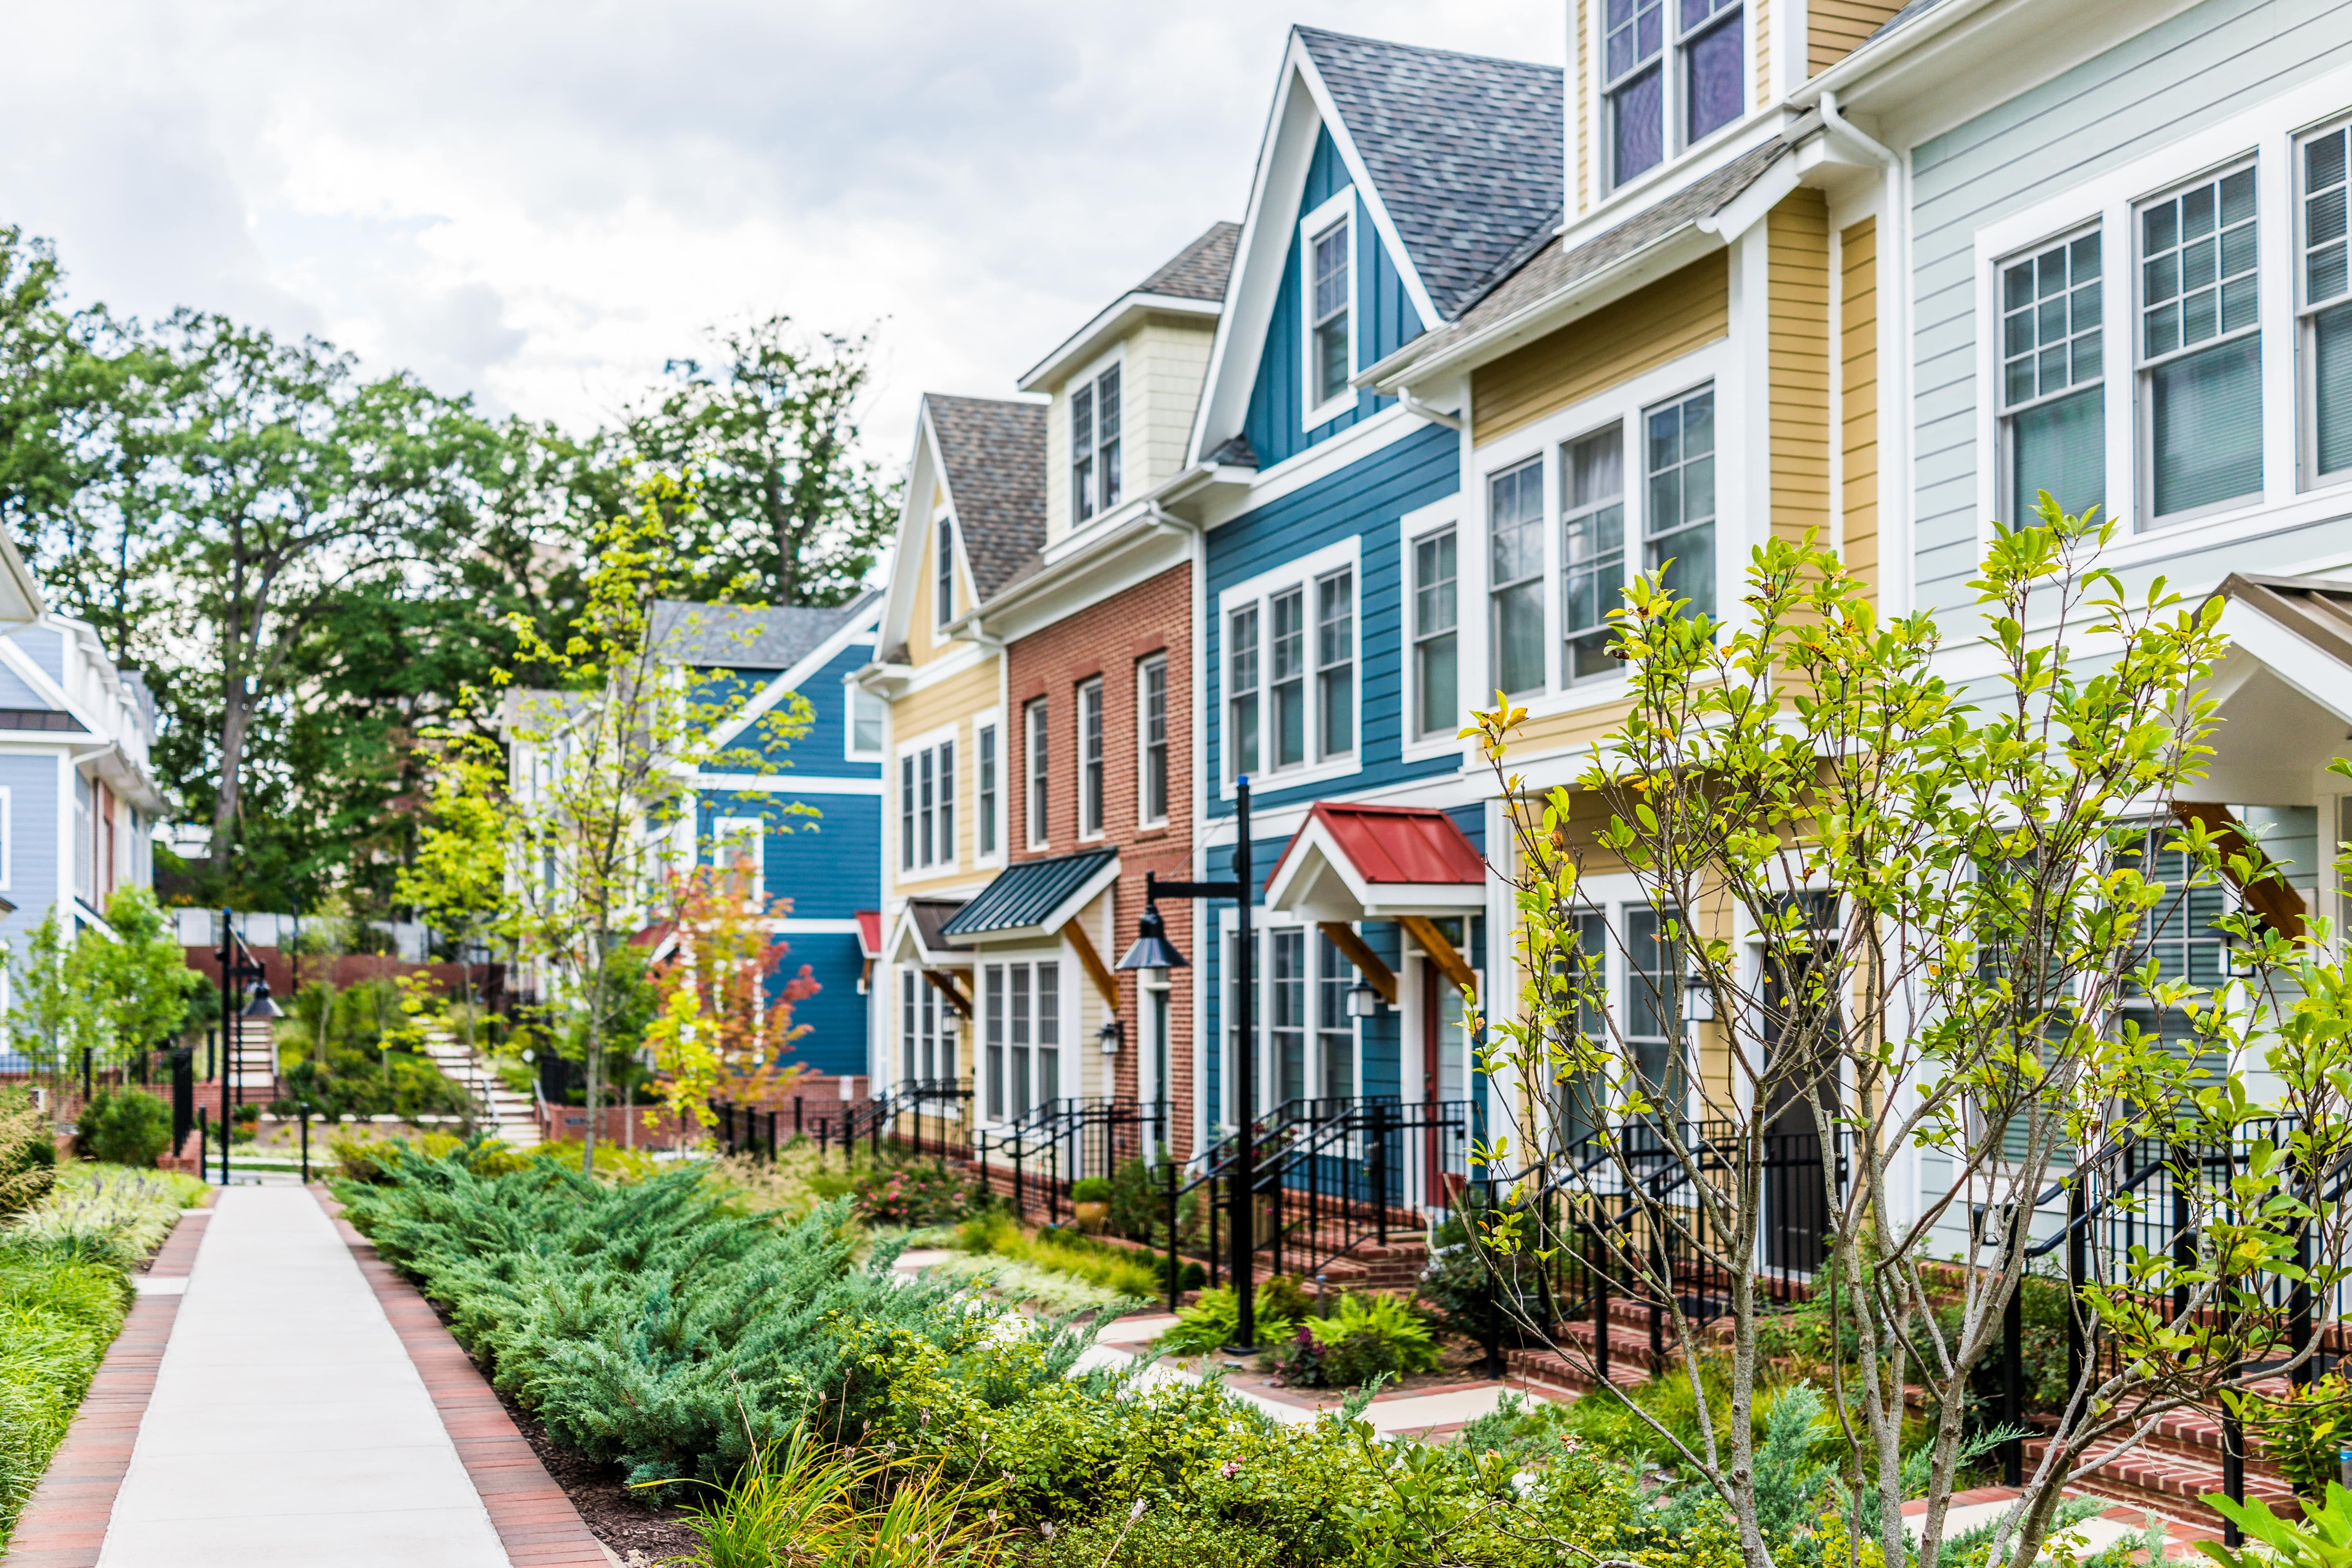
x: 141, y: 977
x: 769, y: 440
x: 1922, y: 921
x: 53, y: 1011
x: 726, y: 1020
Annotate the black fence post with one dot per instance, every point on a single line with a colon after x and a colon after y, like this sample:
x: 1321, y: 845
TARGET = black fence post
x: 1175, y: 1257
x: 184, y: 1097
x: 1380, y: 1170
x: 796, y: 1116
x: 2233, y: 1470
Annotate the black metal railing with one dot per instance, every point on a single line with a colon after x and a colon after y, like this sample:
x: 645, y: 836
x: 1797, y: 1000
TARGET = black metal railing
x: 1058, y: 1143
x: 942, y: 1099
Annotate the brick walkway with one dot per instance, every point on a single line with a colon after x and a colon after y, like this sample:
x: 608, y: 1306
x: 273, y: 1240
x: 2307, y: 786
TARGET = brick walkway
x: 297, y: 1404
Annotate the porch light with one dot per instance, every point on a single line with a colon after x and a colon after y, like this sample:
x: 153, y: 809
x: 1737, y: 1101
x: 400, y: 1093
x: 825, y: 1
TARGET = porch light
x: 1112, y: 1036
x: 1153, y: 954
x: 1698, y: 997
x: 1363, y: 1002
x: 263, y: 1005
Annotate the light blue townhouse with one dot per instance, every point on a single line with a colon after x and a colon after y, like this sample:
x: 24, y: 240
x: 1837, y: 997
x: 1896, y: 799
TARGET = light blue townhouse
x: 750, y: 803
x: 1394, y: 187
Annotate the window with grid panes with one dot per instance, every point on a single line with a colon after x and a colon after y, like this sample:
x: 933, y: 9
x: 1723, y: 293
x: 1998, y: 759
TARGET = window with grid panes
x: 1634, y: 84
x: 2326, y: 307
x: 1090, y: 758
x: 943, y: 590
x: 1515, y: 575
x: 1654, y: 1002
x: 1712, y: 74
x: 1152, y: 703
x: 2053, y: 360
x: 985, y: 788
x: 1680, y: 527
x: 992, y: 1013
x: 1593, y: 551
x: 1585, y: 973
x: 1241, y: 681
x: 1335, y: 664
x: 1335, y: 1032
x: 1041, y: 777
x: 1287, y: 679
x: 1094, y: 445
x: 1436, y: 681
x: 1328, y: 312
x: 1290, y: 1021
x: 2200, y: 346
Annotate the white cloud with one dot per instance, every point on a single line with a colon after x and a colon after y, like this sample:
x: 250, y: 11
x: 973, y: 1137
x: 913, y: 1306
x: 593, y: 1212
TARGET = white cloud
x: 539, y: 203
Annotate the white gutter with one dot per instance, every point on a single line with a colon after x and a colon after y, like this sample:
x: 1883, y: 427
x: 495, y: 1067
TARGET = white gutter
x: 1904, y: 40
x: 1434, y: 416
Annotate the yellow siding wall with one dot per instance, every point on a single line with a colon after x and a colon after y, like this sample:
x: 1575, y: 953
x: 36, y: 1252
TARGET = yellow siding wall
x: 951, y: 701
x: 1835, y: 29
x: 923, y: 643
x: 1580, y: 49
x: 1763, y: 52
x: 1858, y: 396
x: 1646, y: 329
x: 1798, y: 291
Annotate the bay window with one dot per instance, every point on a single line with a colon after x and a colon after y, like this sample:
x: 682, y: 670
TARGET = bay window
x: 2052, y: 396
x: 2200, y: 347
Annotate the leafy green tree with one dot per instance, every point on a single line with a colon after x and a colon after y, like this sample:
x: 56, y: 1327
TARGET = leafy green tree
x: 139, y: 979
x: 52, y: 1012
x: 1922, y: 919
x: 766, y: 434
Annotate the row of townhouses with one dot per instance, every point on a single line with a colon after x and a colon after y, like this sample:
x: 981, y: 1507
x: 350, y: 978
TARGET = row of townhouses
x: 1488, y: 339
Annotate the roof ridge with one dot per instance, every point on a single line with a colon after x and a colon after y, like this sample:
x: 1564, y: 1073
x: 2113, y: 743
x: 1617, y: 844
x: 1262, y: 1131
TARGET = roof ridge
x: 1306, y: 28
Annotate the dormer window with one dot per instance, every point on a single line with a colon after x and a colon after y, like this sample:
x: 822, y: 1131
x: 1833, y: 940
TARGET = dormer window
x: 1706, y: 78
x: 1094, y: 445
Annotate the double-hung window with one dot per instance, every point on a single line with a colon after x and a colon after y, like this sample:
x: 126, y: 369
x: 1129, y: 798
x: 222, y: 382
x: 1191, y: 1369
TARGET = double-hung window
x: 1515, y: 575
x: 2325, y: 307
x: 1090, y: 758
x: 1039, y: 740
x: 1028, y: 996
x: 1701, y: 90
x: 1331, y: 299
x: 992, y: 1037
x: 1335, y: 1032
x: 1151, y: 719
x: 1289, y: 1020
x: 1678, y: 535
x: 1289, y: 742
x: 865, y: 712
x: 927, y: 807
x: 2200, y: 347
x: 1654, y: 1028
x: 1435, y: 678
x: 1335, y: 664
x: 1094, y: 445
x: 943, y: 589
x: 2053, y: 357
x: 984, y: 790
x: 1592, y: 550
x: 1241, y: 680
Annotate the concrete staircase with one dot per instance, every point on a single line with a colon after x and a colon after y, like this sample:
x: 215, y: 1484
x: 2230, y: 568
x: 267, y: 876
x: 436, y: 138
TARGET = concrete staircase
x: 512, y: 1115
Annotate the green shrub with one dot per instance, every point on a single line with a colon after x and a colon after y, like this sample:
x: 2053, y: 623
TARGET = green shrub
x: 1210, y: 1324
x: 2304, y: 1431
x: 1370, y: 1335
x: 29, y: 1153
x: 128, y: 1128
x: 1111, y: 1270
x: 1090, y: 1190
x: 1159, y: 1538
x: 915, y: 1195
x: 1139, y: 1202
x: 366, y: 1157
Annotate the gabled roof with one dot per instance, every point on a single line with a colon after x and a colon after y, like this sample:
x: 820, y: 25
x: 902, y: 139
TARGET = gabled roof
x: 993, y: 452
x: 735, y: 637
x: 1463, y: 150
x: 1373, y: 862
x: 1199, y: 270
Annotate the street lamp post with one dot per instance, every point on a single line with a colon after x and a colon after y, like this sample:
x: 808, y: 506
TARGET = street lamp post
x: 238, y: 966
x: 1152, y: 951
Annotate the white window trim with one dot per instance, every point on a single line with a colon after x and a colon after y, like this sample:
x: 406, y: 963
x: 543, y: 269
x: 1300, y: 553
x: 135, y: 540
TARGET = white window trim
x: 2306, y: 360
x: 1412, y: 528
x: 949, y: 863
x: 1302, y: 573
x: 1071, y: 1062
x: 1029, y: 752
x: 1622, y: 404
x: 1142, y: 738
x: 1078, y: 691
x: 1115, y: 355
x: 850, y: 692
x: 723, y: 829
x: 2269, y: 133
x: 1340, y: 208
x: 1597, y: 143
x: 988, y: 718
x: 2142, y: 518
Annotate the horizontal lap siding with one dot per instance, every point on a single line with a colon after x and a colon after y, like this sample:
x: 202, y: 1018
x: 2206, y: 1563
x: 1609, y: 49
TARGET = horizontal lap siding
x: 835, y: 1015
x: 1835, y: 29
x: 1858, y: 397
x: 1646, y: 329
x: 953, y: 701
x: 1366, y: 500
x: 2180, y: 75
x: 1798, y: 291
x: 31, y: 780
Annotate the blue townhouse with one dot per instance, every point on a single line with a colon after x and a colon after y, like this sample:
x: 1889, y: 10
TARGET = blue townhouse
x: 1395, y: 187
x: 829, y: 863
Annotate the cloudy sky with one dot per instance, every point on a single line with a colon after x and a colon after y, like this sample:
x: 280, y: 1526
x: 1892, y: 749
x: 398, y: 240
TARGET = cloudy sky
x: 539, y: 202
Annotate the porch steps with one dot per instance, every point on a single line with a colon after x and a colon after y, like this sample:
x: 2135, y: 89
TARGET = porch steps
x: 2170, y: 1477
x: 514, y: 1116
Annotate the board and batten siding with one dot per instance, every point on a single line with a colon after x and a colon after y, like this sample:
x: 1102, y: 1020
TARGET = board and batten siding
x: 1797, y: 289
x: 1835, y: 29
x: 1388, y: 320
x: 1680, y: 312
x: 1858, y: 399
x: 1367, y: 499
x: 2182, y: 74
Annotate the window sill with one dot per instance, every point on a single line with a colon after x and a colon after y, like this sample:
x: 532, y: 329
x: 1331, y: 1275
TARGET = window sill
x: 1149, y: 830
x: 1323, y: 414
x: 1291, y: 778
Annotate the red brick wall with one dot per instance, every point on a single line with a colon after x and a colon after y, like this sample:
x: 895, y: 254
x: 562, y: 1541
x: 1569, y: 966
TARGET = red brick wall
x: 1111, y: 639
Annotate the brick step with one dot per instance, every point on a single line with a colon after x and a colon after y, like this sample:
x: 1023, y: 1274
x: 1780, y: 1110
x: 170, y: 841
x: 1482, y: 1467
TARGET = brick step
x: 1629, y: 1344
x: 1550, y: 1370
x: 2169, y: 1479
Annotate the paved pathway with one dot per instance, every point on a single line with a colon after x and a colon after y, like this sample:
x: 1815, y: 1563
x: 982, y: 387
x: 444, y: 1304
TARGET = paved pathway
x: 288, y: 1425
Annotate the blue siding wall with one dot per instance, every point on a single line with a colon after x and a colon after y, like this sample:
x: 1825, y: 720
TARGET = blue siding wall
x: 31, y: 781
x: 829, y: 864
x: 2184, y: 73
x: 835, y: 1015
x: 1367, y: 499
x: 1388, y: 321
x: 47, y: 648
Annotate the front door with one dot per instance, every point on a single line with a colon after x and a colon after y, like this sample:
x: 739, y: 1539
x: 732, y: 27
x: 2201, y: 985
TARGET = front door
x: 1801, y: 1064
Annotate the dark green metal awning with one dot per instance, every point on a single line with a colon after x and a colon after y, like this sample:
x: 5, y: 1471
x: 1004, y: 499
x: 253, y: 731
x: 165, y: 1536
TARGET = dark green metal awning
x: 1034, y: 897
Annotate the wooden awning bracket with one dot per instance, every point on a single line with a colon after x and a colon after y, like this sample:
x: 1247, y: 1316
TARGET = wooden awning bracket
x: 1424, y: 929
x: 2273, y: 897
x: 1378, y: 976
x: 944, y: 982
x: 1105, y: 981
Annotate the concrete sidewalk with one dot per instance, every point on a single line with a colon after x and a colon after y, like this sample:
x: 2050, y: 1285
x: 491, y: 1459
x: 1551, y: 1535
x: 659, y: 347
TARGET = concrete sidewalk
x: 288, y: 1425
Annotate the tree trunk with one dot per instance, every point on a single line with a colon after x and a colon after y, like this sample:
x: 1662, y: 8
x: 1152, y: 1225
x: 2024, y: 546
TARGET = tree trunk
x: 237, y: 718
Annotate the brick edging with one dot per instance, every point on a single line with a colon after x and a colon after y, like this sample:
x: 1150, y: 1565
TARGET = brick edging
x: 536, y: 1522
x: 63, y: 1521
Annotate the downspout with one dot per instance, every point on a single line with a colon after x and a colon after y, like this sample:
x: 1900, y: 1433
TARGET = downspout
x: 1434, y: 416
x: 1896, y: 587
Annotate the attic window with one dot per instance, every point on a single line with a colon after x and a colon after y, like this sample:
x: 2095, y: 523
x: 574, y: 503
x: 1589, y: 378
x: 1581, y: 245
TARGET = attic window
x: 943, y: 594
x: 1094, y: 445
x: 1328, y: 312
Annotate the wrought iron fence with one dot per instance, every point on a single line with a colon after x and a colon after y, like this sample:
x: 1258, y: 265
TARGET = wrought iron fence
x: 1058, y: 1143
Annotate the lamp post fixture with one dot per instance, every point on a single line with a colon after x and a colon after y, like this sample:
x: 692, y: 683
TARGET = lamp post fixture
x: 1155, y: 955
x: 238, y: 966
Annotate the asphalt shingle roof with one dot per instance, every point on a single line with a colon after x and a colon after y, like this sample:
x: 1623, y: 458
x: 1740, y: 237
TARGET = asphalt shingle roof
x: 1463, y: 150
x: 1904, y: 17
x: 994, y: 453
x: 1024, y: 895
x: 1198, y: 271
x: 734, y: 636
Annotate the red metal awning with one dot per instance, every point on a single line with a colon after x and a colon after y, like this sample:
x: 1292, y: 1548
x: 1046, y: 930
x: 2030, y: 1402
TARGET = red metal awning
x: 1377, y: 862
x: 870, y: 932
